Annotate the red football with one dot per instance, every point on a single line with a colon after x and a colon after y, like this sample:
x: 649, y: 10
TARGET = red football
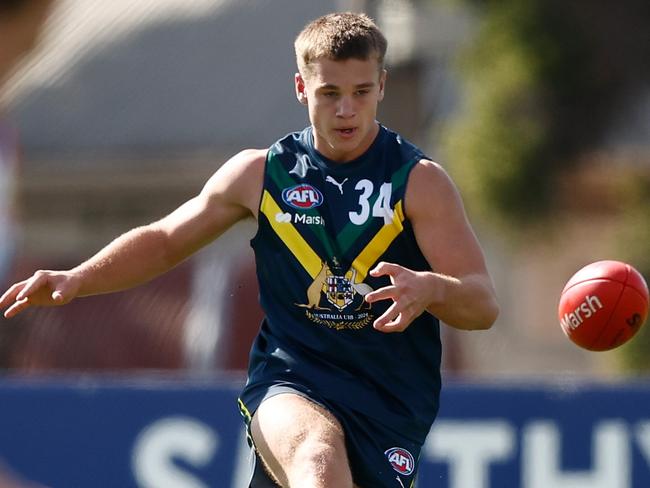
x: 603, y: 305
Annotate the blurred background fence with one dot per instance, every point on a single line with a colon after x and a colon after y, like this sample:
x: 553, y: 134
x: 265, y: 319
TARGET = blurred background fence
x: 539, y: 109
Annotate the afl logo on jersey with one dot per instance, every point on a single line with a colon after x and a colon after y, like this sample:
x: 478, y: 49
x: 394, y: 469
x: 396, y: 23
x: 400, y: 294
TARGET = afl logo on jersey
x: 401, y: 460
x: 302, y: 196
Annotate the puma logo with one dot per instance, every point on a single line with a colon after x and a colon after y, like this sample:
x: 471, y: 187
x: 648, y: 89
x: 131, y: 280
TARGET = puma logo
x: 331, y: 180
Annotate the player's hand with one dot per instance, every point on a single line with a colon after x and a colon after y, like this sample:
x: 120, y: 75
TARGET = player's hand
x: 43, y: 288
x: 410, y: 292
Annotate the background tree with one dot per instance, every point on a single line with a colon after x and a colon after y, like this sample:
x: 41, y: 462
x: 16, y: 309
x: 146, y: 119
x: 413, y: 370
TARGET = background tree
x: 543, y: 80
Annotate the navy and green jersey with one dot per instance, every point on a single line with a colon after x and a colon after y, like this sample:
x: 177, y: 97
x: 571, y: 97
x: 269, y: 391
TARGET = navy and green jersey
x: 322, y: 227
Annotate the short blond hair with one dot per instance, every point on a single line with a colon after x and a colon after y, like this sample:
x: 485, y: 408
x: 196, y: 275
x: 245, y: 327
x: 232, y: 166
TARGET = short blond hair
x: 340, y: 36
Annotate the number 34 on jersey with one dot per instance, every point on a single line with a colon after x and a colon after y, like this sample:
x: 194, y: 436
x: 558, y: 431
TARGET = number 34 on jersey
x: 371, y: 204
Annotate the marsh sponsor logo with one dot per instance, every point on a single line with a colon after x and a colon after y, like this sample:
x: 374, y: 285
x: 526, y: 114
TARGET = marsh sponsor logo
x: 288, y: 218
x: 308, y: 219
x: 283, y: 218
x: 589, y: 307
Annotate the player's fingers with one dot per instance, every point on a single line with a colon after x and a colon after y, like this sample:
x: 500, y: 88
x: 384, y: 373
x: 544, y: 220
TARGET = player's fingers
x: 17, y: 307
x: 63, y: 292
x: 386, y: 317
x: 384, y: 268
x: 394, y: 325
x: 383, y: 293
x: 10, y: 295
x: 33, y: 284
x: 399, y: 324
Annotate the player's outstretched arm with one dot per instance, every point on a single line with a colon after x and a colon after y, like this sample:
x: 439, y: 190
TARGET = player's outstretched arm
x: 143, y: 253
x: 459, y: 291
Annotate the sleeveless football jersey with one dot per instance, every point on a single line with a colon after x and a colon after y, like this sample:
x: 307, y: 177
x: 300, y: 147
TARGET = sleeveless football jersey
x: 322, y: 227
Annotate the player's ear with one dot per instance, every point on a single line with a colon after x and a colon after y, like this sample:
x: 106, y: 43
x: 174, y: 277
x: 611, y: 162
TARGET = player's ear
x: 382, y: 84
x: 301, y: 92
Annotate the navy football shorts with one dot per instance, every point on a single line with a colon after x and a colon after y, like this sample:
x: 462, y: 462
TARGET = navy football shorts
x: 379, y: 457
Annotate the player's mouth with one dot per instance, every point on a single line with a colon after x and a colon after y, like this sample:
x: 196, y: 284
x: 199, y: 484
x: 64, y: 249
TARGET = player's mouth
x: 346, y: 132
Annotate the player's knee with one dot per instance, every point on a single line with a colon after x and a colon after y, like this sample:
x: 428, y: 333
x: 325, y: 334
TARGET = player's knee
x: 315, y: 453
x: 322, y: 462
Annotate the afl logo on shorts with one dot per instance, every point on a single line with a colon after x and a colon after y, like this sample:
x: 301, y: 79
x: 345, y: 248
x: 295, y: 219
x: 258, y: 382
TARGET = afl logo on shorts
x: 401, y: 460
x: 302, y: 196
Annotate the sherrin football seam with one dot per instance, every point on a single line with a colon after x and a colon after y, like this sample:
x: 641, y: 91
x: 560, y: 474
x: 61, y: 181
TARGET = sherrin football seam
x: 643, y: 292
x: 604, y: 328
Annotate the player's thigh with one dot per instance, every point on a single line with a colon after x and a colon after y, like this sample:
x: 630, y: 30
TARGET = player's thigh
x: 285, y: 423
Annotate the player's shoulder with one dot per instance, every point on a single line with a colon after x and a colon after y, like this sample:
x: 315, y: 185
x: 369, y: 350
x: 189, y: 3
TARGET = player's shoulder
x: 239, y: 180
x: 242, y: 169
x: 429, y: 185
x: 249, y: 157
x: 245, y: 163
x: 427, y: 172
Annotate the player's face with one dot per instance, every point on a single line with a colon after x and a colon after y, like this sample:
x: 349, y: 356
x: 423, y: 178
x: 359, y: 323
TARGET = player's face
x: 342, y: 98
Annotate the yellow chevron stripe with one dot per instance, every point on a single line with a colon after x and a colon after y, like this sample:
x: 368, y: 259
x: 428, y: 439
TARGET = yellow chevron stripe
x: 378, y: 245
x: 291, y: 237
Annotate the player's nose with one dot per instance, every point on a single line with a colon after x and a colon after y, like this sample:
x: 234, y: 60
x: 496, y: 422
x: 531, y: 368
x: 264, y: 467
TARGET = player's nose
x: 345, y: 107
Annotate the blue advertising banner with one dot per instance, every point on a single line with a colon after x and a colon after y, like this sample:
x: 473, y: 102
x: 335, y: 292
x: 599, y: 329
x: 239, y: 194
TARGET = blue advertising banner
x: 158, y: 433
x: 145, y: 433
x: 574, y: 435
